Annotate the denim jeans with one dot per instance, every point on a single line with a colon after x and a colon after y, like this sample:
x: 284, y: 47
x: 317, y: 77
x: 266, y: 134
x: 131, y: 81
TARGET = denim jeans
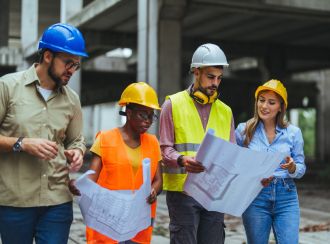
x: 275, y: 207
x: 49, y: 224
x: 191, y: 223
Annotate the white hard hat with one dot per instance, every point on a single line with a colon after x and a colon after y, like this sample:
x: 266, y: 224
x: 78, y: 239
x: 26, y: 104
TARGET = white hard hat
x: 208, y: 55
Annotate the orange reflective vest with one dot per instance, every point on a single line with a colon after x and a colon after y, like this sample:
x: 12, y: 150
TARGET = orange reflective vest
x: 117, y: 174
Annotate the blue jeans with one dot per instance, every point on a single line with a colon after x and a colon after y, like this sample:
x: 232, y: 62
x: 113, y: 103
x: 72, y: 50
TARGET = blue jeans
x: 49, y: 224
x: 275, y: 207
x: 191, y: 223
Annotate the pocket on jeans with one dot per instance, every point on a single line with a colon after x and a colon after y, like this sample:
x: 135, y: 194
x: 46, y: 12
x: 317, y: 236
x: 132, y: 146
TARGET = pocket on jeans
x: 291, y: 185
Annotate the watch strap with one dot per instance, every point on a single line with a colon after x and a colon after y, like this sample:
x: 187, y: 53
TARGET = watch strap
x: 17, y: 147
x: 180, y: 161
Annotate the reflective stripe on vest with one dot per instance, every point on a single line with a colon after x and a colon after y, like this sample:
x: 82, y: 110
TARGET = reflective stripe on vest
x: 185, y: 147
x: 117, y: 174
x: 189, y: 133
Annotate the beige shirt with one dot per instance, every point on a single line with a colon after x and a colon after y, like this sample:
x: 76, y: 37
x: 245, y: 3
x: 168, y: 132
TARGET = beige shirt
x: 25, y: 180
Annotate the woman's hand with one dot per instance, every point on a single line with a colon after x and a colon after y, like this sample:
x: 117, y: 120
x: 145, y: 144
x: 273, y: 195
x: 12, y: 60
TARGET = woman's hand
x: 266, y: 181
x: 289, y: 164
x: 152, y: 197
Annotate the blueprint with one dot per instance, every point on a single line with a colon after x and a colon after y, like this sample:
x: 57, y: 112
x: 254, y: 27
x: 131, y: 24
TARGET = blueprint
x: 232, y: 177
x: 119, y: 215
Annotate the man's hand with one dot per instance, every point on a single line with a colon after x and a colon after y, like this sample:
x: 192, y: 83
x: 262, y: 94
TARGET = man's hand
x: 74, y: 158
x: 191, y: 165
x: 41, y: 148
x: 289, y: 164
x: 73, y: 189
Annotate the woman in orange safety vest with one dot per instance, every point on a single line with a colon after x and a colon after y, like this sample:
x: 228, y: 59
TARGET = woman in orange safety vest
x: 118, y: 153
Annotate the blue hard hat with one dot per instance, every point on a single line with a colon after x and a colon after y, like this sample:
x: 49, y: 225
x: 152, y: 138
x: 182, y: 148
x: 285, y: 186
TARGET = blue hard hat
x: 63, y: 38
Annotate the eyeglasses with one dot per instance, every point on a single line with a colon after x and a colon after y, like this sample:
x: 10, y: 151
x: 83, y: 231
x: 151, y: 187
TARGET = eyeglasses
x: 144, y: 115
x: 69, y: 64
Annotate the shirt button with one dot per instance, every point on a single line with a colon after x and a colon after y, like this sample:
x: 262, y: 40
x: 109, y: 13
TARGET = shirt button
x: 45, y: 125
x: 44, y: 108
x: 44, y: 175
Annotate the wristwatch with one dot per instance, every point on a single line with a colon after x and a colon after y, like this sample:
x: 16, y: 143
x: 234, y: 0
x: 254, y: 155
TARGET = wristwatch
x: 180, y: 161
x: 17, y: 147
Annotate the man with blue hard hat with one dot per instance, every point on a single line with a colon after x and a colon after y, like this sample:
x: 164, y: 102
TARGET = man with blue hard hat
x: 41, y: 141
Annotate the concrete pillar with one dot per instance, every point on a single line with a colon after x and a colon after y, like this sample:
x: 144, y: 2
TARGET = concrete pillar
x: 68, y: 9
x: 323, y: 118
x: 29, y: 22
x: 170, y: 28
x: 4, y: 23
x: 143, y: 40
x: 159, y: 44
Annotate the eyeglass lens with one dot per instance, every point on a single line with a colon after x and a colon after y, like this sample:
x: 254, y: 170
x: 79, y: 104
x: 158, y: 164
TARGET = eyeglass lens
x: 147, y: 116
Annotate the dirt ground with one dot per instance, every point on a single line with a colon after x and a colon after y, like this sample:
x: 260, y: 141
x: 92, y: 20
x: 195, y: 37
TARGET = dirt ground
x: 314, y: 196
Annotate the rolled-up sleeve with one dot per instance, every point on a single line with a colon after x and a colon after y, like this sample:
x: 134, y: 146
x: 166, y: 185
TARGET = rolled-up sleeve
x: 298, y: 155
x: 166, y: 135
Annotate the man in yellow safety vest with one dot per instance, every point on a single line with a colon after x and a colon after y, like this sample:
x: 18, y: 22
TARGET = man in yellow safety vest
x: 185, y: 118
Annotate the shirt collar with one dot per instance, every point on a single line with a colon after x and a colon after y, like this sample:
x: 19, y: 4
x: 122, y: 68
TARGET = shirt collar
x: 32, y: 77
x: 278, y: 129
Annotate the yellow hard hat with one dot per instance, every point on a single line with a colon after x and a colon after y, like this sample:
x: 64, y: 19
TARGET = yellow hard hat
x: 139, y: 93
x: 275, y: 86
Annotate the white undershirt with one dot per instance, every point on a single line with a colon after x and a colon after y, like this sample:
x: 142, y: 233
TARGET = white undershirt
x: 45, y: 92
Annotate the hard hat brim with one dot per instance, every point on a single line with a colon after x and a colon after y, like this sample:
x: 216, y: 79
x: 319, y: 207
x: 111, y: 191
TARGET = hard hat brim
x: 265, y: 88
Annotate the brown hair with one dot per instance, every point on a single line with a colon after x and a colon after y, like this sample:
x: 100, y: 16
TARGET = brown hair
x: 252, y: 123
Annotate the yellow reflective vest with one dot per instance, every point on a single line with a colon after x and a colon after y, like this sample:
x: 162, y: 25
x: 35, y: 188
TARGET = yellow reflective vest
x: 189, y: 133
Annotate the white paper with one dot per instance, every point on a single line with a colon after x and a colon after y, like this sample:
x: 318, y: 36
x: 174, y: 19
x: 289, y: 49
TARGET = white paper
x: 232, y: 177
x: 119, y: 215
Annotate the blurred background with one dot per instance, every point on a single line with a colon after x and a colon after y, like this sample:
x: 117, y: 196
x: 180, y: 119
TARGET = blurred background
x: 153, y: 41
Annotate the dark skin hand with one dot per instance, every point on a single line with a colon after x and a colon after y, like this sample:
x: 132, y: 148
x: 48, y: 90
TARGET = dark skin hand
x: 96, y: 165
x: 156, y: 187
x: 73, y: 189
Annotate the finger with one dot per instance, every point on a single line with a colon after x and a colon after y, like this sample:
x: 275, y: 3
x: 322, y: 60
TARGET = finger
x: 77, y: 157
x: 51, y: 146
x: 75, y: 191
x: 49, y: 155
x: 68, y: 155
x: 195, y: 167
x: 45, y: 155
x: 287, y: 159
x: 193, y: 170
x: 50, y: 151
x: 73, y: 168
x: 265, y: 183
